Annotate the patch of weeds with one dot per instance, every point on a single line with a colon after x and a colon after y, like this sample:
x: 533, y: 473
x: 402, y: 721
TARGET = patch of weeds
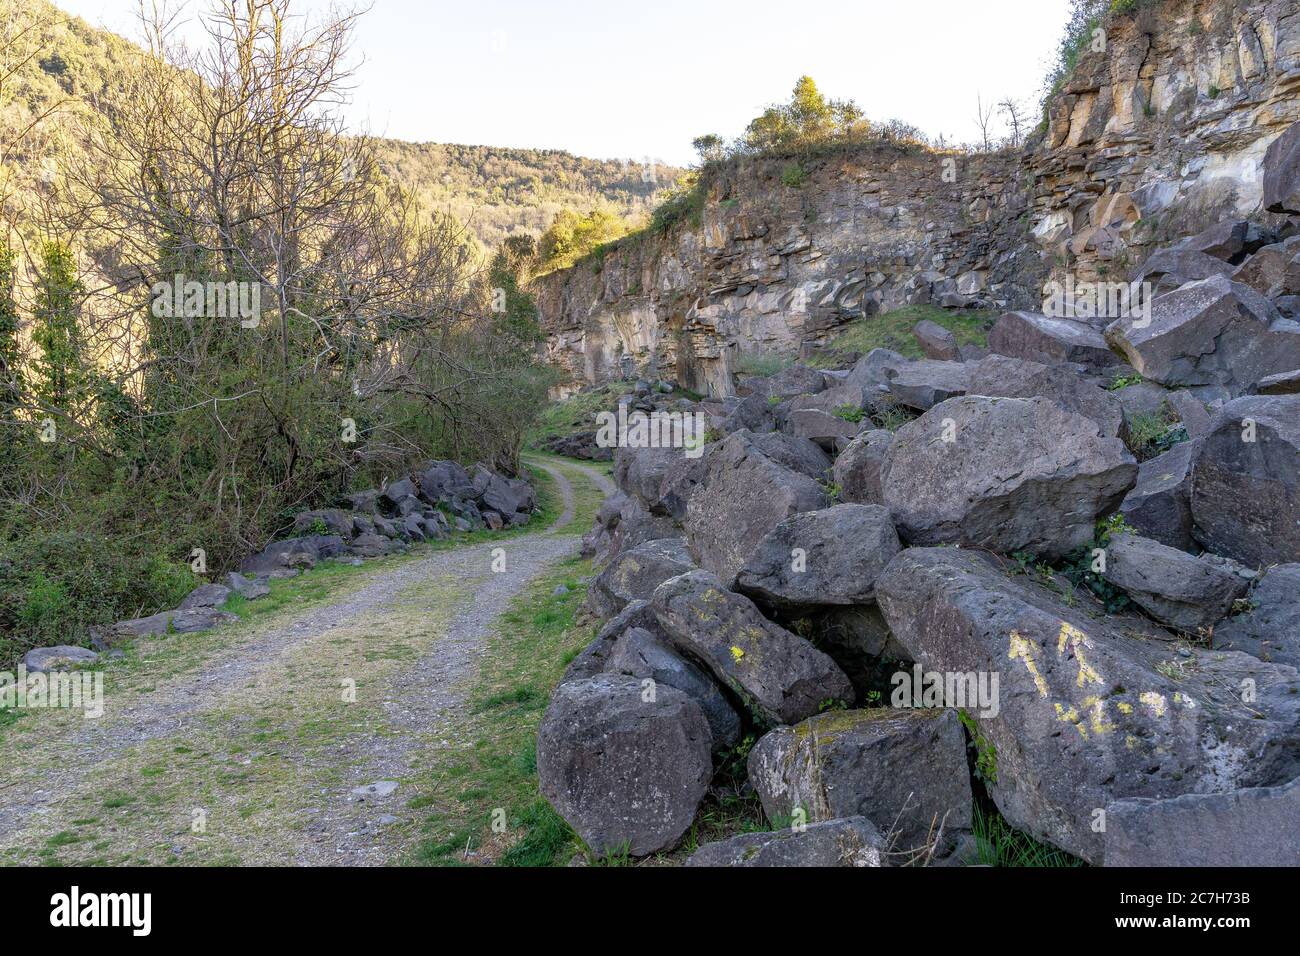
x: 1124, y: 381
x: 793, y: 175
x: 850, y: 413
x: 893, y: 330
x: 762, y: 364
x: 1000, y: 844
x: 890, y: 415
x: 986, y: 754
x: 1152, y: 434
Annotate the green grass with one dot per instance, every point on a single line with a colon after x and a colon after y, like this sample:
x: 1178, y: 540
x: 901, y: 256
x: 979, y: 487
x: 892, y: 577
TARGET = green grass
x: 893, y: 330
x: 1000, y: 844
x: 536, y: 637
x: 575, y: 413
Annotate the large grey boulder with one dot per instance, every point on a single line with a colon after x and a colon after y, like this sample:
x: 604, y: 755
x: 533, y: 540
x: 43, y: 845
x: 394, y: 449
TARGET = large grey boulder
x: 1270, y: 629
x: 744, y: 495
x: 779, y: 676
x: 1212, y: 332
x: 594, y: 658
x: 1256, y: 826
x: 831, y: 556
x: 1050, y: 341
x: 1000, y: 376
x: 797, y: 454
x: 393, y: 494
x: 636, y: 525
x: 925, y: 383
x: 1281, y: 167
x: 1160, y: 503
x: 205, y: 595
x: 42, y: 660
x: 936, y: 342
x: 1088, y: 714
x: 1007, y: 474
x: 1273, y: 271
x: 190, y: 621
x: 333, y: 520
x: 1246, y: 494
x: 825, y: 429
x: 634, y: 573
x: 250, y: 589
x: 1230, y: 240
x: 857, y: 468
x: 854, y: 841
x: 445, y: 479
x: 792, y: 380
x: 906, y: 768
x: 872, y: 372
x: 626, y: 772
x: 1283, y: 383
x: 639, y: 653
x: 279, y: 556
x: 1186, y: 593
x: 640, y: 471
x: 1168, y: 269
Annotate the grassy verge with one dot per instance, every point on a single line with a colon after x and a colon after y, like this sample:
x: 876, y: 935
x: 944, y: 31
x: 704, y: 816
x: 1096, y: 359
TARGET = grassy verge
x: 893, y: 330
x: 495, y: 779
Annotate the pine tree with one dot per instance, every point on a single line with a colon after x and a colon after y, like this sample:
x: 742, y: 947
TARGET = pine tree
x: 10, y: 376
x: 58, y: 367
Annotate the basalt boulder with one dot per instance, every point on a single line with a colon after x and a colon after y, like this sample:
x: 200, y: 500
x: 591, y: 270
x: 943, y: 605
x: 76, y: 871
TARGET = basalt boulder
x: 1213, y: 332
x: 744, y: 494
x: 1183, y: 592
x: 1007, y: 474
x: 906, y: 768
x: 1087, y: 713
x: 779, y: 676
x: 857, y: 468
x: 634, y: 573
x: 1245, y: 495
x: 625, y: 769
x: 831, y: 556
x: 854, y: 841
x: 1040, y: 338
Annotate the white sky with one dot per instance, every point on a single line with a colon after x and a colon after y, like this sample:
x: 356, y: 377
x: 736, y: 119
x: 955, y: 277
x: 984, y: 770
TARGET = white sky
x: 616, y: 78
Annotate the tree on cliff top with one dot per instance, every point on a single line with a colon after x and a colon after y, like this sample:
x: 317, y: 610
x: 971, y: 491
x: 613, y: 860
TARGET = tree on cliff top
x: 808, y: 119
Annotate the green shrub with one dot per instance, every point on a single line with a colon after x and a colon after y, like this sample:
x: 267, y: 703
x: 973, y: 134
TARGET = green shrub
x: 793, y: 175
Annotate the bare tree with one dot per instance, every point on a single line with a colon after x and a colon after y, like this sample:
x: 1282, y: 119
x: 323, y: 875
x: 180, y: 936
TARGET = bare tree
x: 1015, y: 118
x: 983, y: 119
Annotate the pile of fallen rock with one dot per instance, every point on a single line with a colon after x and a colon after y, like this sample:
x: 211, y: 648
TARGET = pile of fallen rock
x: 427, y: 505
x: 772, y: 588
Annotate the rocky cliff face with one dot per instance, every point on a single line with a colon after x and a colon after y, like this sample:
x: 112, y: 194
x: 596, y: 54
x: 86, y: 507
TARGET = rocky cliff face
x: 1156, y: 136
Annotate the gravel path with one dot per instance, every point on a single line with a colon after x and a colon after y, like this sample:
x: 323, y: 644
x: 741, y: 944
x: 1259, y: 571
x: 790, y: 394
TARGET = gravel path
x: 420, y: 701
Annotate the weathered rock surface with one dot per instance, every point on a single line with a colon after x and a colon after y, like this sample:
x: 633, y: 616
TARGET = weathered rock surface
x: 1212, y: 332
x: 1184, y: 592
x: 1283, y: 383
x: 1270, y: 630
x: 1168, y: 269
x: 205, y: 595
x: 1050, y: 341
x: 1000, y: 376
x: 1007, y: 474
x: 42, y: 660
x: 744, y: 495
x: 831, y: 556
x: 625, y: 773
x: 779, y: 676
x: 594, y: 658
x: 1281, y: 168
x: 639, y: 653
x: 633, y: 574
x: 924, y: 384
x: 1160, y: 503
x: 936, y: 342
x: 1245, y: 495
x: 906, y: 767
x: 1088, y: 715
x: 854, y: 841
x: 1257, y: 826
x: 857, y: 468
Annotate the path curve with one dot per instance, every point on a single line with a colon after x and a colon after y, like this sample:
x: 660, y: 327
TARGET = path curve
x: 422, y: 701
